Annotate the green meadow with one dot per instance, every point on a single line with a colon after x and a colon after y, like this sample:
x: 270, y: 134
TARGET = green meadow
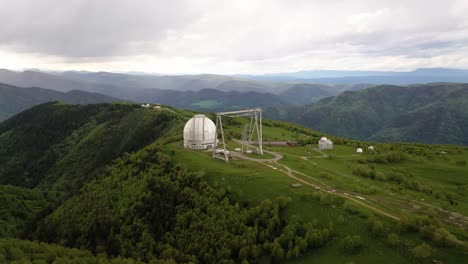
x: 411, y: 187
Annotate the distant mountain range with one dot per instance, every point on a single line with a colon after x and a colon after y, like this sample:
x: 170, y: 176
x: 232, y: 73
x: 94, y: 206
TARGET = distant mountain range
x: 431, y: 113
x: 425, y: 75
x: 16, y: 99
x: 106, y: 82
x: 197, y: 92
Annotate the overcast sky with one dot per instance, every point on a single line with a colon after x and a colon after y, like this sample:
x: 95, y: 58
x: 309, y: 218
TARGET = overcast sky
x: 233, y: 36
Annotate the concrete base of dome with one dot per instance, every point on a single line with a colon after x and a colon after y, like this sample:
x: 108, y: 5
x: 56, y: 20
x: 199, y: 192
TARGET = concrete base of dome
x: 199, y: 145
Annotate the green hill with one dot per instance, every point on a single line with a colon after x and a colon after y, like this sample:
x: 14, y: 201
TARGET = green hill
x: 62, y: 146
x: 114, y: 181
x: 15, y: 99
x: 432, y: 113
x: 206, y: 99
x: 304, y: 93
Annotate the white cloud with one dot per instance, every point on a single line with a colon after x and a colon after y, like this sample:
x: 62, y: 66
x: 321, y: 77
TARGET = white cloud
x: 234, y: 36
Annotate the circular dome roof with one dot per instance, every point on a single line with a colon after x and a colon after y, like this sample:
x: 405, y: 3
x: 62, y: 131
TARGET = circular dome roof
x: 359, y: 150
x: 323, y: 139
x: 200, y: 128
x: 370, y: 148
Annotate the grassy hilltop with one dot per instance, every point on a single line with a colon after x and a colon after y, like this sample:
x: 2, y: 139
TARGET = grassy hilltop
x: 114, y: 181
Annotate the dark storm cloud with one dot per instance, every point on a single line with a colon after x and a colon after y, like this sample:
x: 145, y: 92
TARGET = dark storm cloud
x: 89, y: 28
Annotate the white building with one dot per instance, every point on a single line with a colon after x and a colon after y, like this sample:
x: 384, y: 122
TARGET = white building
x: 325, y: 143
x: 199, y: 133
x: 359, y: 151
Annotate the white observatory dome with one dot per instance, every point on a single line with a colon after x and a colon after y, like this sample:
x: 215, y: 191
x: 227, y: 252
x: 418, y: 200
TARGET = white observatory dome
x: 371, y: 148
x: 199, y: 133
x: 359, y: 150
x: 325, y: 143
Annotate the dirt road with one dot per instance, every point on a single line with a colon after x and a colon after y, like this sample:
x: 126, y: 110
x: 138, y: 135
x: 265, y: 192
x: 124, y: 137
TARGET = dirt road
x: 322, y: 186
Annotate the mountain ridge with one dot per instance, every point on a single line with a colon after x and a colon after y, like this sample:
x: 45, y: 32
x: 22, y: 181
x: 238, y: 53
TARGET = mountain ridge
x: 15, y: 99
x: 392, y: 113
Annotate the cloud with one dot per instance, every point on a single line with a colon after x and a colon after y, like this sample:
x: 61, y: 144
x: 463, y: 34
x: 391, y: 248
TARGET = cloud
x: 89, y: 28
x: 245, y: 36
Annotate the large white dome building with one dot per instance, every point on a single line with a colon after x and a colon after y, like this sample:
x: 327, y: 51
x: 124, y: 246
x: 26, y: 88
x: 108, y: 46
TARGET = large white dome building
x: 200, y: 133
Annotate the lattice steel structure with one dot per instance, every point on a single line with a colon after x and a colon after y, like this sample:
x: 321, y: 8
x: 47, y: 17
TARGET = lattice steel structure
x: 254, y: 125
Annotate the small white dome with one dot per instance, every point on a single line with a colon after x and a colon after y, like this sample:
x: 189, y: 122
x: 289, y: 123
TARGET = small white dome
x: 323, y: 139
x: 370, y: 148
x: 199, y: 133
x: 359, y: 150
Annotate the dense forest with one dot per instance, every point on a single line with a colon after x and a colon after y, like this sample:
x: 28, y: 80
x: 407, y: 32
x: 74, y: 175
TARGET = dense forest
x: 107, y: 183
x: 69, y: 180
x: 15, y: 99
x: 427, y: 113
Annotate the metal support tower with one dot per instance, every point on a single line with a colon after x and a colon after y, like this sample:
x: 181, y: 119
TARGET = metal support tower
x: 255, y: 124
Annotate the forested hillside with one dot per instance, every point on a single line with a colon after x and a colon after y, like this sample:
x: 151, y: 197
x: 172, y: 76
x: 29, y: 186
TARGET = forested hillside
x: 15, y: 99
x: 111, y: 183
x: 432, y: 113
x: 60, y: 146
x: 206, y: 99
x: 77, y: 186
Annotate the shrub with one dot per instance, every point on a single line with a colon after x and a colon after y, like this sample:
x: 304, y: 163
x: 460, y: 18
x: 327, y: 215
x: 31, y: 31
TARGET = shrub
x: 363, y: 171
x: 351, y: 208
x: 393, y: 240
x: 389, y: 157
x: 351, y: 244
x: 380, y: 176
x: 376, y: 227
x: 324, y: 175
x: 422, y: 251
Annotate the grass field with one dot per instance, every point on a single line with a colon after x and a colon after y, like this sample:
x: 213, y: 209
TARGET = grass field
x: 255, y: 182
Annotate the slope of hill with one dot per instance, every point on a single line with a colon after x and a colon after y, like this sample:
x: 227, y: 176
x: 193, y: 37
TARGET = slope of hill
x: 135, y: 206
x: 59, y: 146
x: 304, y: 93
x: 209, y: 99
x: 16, y: 99
x: 114, y: 180
x: 433, y: 113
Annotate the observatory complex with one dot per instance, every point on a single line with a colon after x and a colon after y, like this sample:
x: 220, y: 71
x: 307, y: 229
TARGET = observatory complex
x: 200, y: 133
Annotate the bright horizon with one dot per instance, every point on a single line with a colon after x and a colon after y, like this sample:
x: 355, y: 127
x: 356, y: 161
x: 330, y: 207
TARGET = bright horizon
x: 233, y: 37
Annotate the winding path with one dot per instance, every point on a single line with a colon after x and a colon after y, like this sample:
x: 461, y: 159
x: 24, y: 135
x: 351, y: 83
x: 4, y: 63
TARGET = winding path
x: 363, y: 200
x: 323, y: 187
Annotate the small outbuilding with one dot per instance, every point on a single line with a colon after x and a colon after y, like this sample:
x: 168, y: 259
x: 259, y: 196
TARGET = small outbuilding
x: 325, y: 143
x: 370, y: 148
x: 359, y: 151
